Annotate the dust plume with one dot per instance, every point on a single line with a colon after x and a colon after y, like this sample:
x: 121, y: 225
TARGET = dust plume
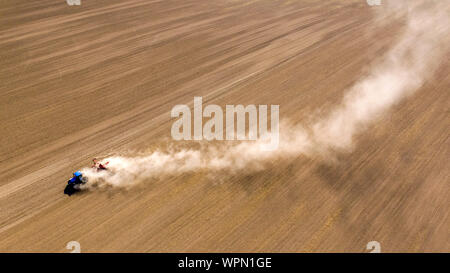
x: 246, y: 156
x: 403, y: 69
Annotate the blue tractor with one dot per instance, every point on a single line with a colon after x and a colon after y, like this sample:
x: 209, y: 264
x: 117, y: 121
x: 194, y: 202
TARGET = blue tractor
x: 73, y: 185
